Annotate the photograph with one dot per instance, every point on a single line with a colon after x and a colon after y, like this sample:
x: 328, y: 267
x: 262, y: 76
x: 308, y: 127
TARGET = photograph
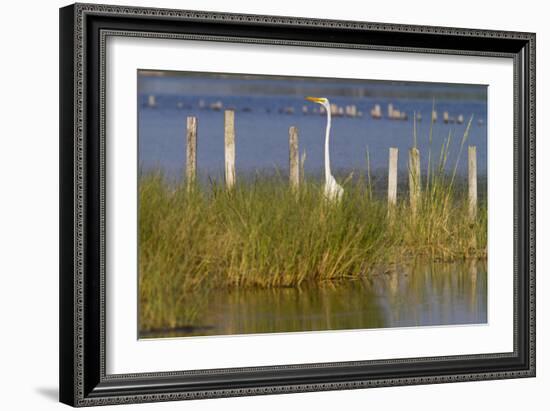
x: 282, y: 204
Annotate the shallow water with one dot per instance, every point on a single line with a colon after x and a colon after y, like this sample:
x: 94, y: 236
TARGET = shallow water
x: 262, y: 130
x: 420, y: 294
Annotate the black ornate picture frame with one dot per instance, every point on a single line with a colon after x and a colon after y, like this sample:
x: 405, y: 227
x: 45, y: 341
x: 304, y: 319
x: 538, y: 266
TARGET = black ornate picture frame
x: 83, y: 32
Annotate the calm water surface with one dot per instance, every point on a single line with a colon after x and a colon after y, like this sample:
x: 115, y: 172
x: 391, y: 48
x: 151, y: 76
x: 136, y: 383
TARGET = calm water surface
x: 262, y: 129
x: 418, y: 295
x: 262, y: 137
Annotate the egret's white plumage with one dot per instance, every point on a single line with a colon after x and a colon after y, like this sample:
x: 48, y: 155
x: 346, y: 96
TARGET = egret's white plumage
x: 333, y: 190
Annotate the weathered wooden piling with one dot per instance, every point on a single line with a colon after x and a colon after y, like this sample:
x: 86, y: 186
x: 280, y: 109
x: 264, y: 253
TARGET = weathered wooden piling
x: 472, y: 182
x: 392, y: 177
x: 414, y: 179
x: 191, y: 163
x: 294, y: 158
x: 376, y: 112
x: 229, y: 140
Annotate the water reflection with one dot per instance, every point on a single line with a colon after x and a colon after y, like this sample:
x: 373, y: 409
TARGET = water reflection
x: 417, y: 295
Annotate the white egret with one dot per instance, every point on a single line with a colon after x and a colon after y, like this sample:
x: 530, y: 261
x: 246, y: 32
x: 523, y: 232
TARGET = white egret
x: 333, y: 191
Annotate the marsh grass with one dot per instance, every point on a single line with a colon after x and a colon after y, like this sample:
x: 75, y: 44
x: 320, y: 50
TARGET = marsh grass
x: 263, y: 234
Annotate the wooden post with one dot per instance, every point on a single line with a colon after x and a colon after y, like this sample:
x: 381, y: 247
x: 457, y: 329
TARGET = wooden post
x: 414, y: 178
x: 392, y: 177
x: 472, y: 183
x: 229, y: 139
x: 191, y: 164
x: 294, y: 158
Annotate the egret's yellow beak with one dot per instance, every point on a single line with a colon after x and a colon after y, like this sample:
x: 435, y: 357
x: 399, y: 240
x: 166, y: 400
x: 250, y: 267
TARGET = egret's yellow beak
x: 315, y: 99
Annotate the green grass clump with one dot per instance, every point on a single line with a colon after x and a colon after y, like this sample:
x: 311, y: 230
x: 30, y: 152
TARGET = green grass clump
x: 264, y: 234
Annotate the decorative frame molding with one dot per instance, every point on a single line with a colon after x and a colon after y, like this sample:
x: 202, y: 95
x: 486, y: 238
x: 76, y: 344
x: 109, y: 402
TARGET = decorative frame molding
x: 83, y: 32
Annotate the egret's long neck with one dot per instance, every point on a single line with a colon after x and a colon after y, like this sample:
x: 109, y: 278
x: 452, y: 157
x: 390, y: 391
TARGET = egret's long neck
x: 328, y: 175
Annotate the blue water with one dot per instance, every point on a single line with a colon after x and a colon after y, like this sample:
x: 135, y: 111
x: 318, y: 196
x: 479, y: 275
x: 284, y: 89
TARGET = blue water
x: 262, y: 131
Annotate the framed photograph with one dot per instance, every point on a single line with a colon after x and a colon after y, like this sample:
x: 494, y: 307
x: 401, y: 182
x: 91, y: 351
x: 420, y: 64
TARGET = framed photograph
x: 260, y: 204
